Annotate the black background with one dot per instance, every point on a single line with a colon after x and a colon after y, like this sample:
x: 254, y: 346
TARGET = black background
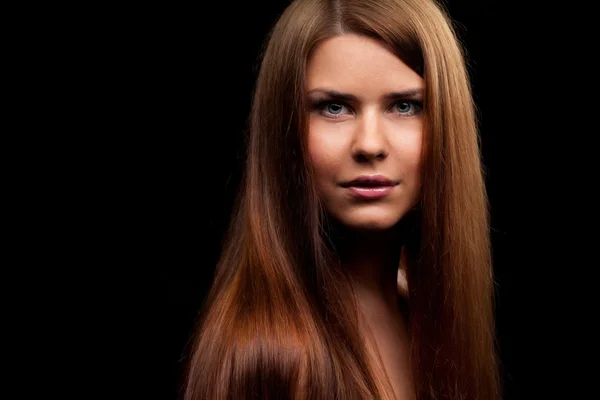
x: 187, y: 96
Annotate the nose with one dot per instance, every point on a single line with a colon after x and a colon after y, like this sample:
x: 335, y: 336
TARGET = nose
x: 369, y: 140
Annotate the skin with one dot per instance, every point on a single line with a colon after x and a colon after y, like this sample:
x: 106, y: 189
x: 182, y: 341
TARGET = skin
x: 368, y: 135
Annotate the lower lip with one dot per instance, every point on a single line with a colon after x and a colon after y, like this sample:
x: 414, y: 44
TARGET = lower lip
x: 370, y: 192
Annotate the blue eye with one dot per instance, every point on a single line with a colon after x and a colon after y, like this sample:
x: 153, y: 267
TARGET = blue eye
x: 330, y: 109
x: 403, y: 107
x: 407, y: 107
x: 337, y: 109
x: 334, y: 108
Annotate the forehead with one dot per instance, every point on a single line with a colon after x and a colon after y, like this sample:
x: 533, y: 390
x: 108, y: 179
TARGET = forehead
x: 360, y: 65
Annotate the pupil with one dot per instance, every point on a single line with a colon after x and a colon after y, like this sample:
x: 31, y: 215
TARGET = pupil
x: 404, y: 106
x: 335, y: 108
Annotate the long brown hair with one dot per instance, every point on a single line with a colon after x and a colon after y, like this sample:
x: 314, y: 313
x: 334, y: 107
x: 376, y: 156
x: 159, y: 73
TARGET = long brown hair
x: 280, y: 320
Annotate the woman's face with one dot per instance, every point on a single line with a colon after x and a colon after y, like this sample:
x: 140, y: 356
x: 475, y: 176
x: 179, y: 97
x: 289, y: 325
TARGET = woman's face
x: 365, y: 121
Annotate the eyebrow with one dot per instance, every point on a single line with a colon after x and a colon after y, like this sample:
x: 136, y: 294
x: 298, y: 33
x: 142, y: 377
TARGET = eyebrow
x: 334, y: 94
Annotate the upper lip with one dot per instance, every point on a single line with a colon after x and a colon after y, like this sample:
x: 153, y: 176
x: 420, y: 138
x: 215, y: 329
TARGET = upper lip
x: 376, y: 180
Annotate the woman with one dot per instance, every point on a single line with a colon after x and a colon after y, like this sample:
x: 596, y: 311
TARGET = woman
x: 357, y: 264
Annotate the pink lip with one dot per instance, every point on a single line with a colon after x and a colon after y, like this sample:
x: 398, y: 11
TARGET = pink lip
x: 370, y: 180
x: 370, y: 186
x: 372, y: 192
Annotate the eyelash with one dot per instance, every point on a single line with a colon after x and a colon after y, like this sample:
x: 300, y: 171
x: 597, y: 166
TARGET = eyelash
x: 322, y: 104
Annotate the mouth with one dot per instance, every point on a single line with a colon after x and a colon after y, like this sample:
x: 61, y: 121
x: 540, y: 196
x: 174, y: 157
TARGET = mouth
x: 369, y: 190
x: 373, y: 192
x: 368, y: 184
x: 373, y: 181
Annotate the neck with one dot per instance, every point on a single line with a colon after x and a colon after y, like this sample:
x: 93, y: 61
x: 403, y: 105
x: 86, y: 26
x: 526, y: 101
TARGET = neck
x: 372, y: 258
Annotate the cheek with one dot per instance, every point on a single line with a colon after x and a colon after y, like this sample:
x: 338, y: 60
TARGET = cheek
x: 324, y: 169
x: 408, y: 150
x: 414, y: 164
x: 318, y: 158
x: 324, y: 152
x: 414, y: 159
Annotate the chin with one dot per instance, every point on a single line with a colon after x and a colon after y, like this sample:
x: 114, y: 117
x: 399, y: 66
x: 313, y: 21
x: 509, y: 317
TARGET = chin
x: 369, y: 223
x: 374, y: 226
